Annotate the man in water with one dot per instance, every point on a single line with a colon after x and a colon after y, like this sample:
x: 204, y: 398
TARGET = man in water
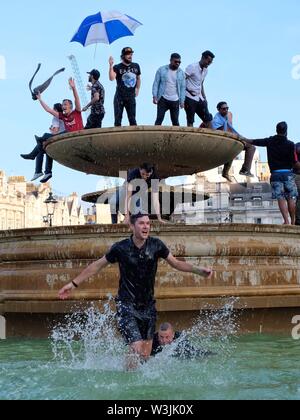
x: 138, y: 259
x: 166, y: 335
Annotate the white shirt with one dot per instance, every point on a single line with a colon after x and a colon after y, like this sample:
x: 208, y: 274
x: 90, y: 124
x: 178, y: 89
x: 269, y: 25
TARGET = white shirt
x: 171, y: 92
x: 195, y: 79
x: 56, y: 123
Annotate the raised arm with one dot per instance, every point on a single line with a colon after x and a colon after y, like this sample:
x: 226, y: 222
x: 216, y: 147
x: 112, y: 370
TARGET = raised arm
x: 112, y: 74
x: 156, y: 205
x: 90, y: 271
x: 46, y: 107
x: 189, y: 268
x: 75, y: 93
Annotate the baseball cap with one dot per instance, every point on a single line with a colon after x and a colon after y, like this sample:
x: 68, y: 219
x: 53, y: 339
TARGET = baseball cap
x: 127, y: 50
x: 95, y: 73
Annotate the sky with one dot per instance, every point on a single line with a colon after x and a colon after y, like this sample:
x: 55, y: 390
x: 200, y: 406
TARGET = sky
x: 256, y: 69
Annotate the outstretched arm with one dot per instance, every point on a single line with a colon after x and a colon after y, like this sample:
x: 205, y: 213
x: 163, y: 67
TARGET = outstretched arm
x: 189, y: 268
x: 46, y: 107
x: 75, y: 93
x: 90, y: 271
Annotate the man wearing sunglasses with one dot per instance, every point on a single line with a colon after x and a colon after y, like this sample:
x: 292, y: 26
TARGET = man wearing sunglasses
x: 223, y: 121
x: 169, y: 90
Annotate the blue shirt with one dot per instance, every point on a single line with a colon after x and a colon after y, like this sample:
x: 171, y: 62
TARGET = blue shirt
x: 160, y: 82
x: 222, y: 123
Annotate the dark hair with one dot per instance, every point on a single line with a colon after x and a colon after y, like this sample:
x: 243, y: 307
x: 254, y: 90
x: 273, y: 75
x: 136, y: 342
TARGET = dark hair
x: 147, y: 167
x: 298, y: 148
x: 282, y: 128
x: 165, y: 326
x: 220, y: 104
x: 175, y: 56
x: 135, y: 217
x: 207, y: 54
x: 68, y: 100
x: 58, y: 107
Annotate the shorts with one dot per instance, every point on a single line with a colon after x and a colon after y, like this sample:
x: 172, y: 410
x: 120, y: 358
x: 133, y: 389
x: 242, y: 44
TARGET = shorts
x: 136, y: 323
x: 284, y: 186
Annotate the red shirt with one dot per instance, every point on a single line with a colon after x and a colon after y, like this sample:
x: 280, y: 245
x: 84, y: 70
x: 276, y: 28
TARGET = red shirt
x: 73, y: 122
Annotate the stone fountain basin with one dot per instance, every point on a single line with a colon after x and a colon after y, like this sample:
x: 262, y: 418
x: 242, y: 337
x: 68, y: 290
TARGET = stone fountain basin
x: 175, y: 151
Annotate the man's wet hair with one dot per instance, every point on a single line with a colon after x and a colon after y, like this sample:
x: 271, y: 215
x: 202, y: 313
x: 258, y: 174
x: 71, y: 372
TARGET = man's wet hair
x: 282, y: 128
x: 69, y: 101
x: 298, y: 148
x: 220, y: 104
x: 147, y: 167
x: 166, y: 326
x: 58, y: 108
x: 135, y: 217
x: 207, y: 54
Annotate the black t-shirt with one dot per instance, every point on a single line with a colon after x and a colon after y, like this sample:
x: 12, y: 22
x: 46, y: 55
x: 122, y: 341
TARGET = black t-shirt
x: 183, y: 349
x: 138, y: 268
x: 281, y: 152
x: 127, y: 78
x: 135, y: 174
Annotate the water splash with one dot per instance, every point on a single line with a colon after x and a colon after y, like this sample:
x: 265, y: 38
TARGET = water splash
x: 89, y: 340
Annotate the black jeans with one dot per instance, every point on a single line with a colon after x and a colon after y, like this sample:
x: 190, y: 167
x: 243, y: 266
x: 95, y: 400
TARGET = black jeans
x: 163, y: 106
x: 40, y: 152
x: 196, y: 107
x: 129, y: 103
x: 94, y: 121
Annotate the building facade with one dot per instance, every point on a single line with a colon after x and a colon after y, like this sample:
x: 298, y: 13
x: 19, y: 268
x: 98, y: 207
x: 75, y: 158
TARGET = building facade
x: 22, y: 205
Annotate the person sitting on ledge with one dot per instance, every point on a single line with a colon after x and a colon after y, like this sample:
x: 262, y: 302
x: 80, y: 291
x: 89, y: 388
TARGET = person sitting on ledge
x: 166, y: 335
x: 138, y: 258
x: 223, y: 121
x: 282, y: 159
x: 72, y: 120
x: 124, y: 199
x: 37, y: 154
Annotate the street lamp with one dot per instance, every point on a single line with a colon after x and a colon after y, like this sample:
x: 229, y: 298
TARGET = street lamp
x: 51, y: 204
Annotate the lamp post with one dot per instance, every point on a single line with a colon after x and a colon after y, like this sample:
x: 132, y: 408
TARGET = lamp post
x: 51, y: 204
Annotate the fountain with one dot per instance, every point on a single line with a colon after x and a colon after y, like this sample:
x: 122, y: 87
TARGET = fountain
x: 257, y: 265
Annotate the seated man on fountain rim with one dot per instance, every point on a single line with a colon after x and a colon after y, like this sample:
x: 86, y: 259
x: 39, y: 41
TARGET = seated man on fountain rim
x: 223, y: 121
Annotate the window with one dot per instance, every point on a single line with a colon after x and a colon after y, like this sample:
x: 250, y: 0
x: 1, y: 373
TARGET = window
x: 210, y: 202
x: 257, y: 202
x: 258, y: 221
x: 238, y: 202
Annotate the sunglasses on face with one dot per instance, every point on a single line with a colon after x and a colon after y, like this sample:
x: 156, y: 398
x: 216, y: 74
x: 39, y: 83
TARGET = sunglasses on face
x: 177, y: 62
x: 225, y: 109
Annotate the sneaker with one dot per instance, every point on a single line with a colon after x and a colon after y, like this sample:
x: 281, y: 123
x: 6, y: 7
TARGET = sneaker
x: 46, y: 178
x: 37, y: 176
x: 246, y: 173
x: 228, y: 177
x: 28, y: 157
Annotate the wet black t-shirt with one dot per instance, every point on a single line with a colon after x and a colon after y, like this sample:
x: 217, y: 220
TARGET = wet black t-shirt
x: 127, y: 78
x: 138, y: 268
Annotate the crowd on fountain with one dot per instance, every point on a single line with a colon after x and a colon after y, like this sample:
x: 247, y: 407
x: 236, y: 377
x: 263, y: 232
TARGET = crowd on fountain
x: 173, y: 89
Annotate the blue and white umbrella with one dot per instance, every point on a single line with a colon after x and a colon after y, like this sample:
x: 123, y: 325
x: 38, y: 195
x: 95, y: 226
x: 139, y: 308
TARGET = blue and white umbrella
x: 105, y: 27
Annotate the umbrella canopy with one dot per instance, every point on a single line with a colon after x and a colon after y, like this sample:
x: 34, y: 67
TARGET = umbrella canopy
x: 105, y: 27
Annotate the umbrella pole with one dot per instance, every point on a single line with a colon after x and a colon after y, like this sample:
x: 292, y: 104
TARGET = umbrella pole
x: 96, y: 46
